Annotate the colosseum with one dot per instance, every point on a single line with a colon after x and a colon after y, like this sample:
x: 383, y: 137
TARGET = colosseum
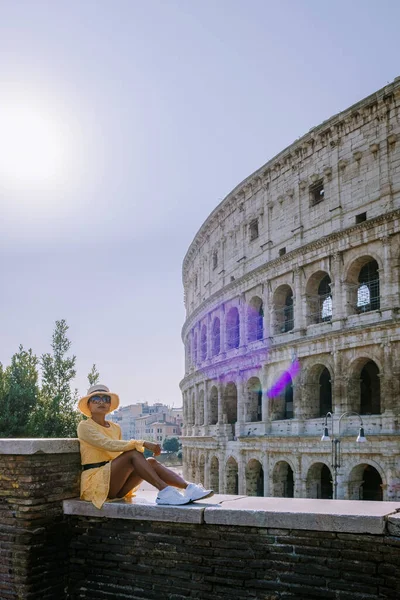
x: 292, y: 319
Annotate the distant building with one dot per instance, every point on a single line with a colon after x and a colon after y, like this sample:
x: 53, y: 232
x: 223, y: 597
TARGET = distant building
x: 160, y: 430
x: 149, y: 422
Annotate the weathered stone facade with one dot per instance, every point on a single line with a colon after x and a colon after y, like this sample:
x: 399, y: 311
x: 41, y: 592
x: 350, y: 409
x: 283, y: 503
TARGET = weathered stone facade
x: 300, y: 265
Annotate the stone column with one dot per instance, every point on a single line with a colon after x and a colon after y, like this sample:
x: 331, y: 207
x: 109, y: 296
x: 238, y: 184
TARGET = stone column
x: 339, y: 392
x: 242, y: 321
x: 241, y: 403
x: 207, y: 470
x: 388, y: 398
x: 337, y: 287
x: 184, y: 412
x: 267, y: 483
x: 299, y: 314
x: 266, y: 308
x: 222, y: 323
x: 241, y: 475
x: 298, y: 399
x: 388, y: 291
x: 220, y: 389
x: 353, y: 394
x: 206, y: 403
x: 299, y: 481
x: 209, y: 336
x: 196, y: 406
x: 265, y: 400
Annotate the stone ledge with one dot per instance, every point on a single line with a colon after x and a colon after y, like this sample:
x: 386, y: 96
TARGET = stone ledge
x: 344, y: 516
x: 144, y: 508
x: 394, y: 525
x: 38, y: 445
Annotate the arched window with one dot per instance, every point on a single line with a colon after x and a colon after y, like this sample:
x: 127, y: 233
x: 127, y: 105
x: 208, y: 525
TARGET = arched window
x: 283, y: 480
x: 216, y: 337
x: 288, y: 313
x: 254, y: 400
x: 232, y: 329
x: 254, y: 475
x: 289, y: 400
x: 203, y: 343
x: 255, y: 317
x: 319, y: 482
x: 325, y: 393
x: 370, y: 389
x: 325, y: 299
x: 319, y: 298
x: 368, y: 293
x: 283, y: 309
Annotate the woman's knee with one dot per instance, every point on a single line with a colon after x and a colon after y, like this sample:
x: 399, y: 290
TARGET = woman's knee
x: 152, y: 461
x: 133, y: 455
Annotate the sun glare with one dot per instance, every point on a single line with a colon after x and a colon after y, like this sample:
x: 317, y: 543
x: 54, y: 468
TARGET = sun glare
x: 33, y: 147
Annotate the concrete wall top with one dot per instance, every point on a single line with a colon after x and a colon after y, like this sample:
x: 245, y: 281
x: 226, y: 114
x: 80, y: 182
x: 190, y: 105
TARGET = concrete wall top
x: 345, y: 516
x: 38, y: 445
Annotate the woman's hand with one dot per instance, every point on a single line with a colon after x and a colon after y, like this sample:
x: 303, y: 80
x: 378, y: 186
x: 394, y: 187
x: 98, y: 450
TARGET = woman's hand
x: 154, y: 448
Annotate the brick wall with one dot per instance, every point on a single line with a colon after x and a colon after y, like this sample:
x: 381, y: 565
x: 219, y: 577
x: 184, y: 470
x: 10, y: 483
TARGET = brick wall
x: 144, y: 560
x: 35, y: 476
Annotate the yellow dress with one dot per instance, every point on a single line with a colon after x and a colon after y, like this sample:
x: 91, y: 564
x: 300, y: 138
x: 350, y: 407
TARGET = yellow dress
x: 97, y: 444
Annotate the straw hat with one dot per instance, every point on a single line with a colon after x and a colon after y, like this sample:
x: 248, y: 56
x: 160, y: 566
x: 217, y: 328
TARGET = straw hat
x: 94, y: 391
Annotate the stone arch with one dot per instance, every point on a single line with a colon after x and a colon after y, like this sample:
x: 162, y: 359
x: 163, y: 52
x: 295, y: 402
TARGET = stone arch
x: 282, y: 403
x: 318, y: 388
x: 319, y: 481
x: 283, y: 480
x: 214, y: 474
x: 254, y: 400
x: 363, y: 284
x: 254, y: 478
x: 202, y: 464
x: 213, y: 406
x: 283, y: 315
x: 216, y: 337
x: 366, y: 482
x: 255, y: 319
x: 364, y: 389
x: 232, y: 328
x: 203, y: 343
x: 200, y: 408
x: 232, y: 476
x: 229, y: 403
x: 319, y: 298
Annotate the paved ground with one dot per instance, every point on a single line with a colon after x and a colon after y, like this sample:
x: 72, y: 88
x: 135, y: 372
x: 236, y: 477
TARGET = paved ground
x: 146, y: 486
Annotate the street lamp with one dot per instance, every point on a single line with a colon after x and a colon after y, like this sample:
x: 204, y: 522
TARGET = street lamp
x: 335, y: 459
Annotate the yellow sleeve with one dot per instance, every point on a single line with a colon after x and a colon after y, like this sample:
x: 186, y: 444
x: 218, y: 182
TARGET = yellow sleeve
x: 92, y: 436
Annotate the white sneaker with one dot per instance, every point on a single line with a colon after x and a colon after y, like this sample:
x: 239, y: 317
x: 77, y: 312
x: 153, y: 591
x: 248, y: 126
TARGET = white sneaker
x: 196, y: 491
x: 172, y: 496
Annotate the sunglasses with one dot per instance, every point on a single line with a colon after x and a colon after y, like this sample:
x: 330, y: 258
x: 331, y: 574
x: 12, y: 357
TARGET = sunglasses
x: 99, y: 399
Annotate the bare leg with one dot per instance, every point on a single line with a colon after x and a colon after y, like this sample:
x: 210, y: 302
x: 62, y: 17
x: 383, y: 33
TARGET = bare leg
x: 133, y: 481
x: 167, y: 475
x: 123, y: 467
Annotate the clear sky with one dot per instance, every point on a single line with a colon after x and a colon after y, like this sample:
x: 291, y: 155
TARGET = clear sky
x: 122, y: 125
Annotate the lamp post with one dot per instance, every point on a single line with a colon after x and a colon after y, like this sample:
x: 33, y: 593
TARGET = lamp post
x: 336, y: 456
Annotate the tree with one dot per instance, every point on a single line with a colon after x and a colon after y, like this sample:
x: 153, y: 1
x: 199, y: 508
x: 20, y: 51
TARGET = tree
x: 19, y: 393
x: 93, y: 376
x: 55, y: 415
x: 171, y: 444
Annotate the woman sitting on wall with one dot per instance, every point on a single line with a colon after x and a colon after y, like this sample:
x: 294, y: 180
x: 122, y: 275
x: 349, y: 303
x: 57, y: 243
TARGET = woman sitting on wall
x: 114, y: 468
